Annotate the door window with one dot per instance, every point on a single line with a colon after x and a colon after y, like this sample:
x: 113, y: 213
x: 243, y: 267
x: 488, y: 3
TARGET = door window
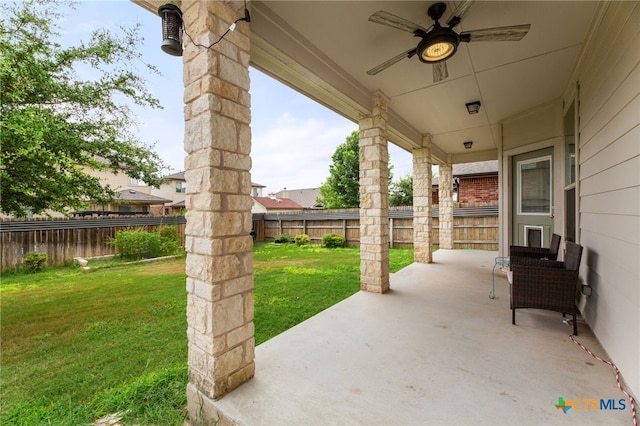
x: 534, y: 189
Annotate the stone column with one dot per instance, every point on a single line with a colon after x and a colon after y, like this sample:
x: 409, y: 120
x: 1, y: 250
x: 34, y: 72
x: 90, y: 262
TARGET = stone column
x: 445, y: 195
x: 219, y: 263
x: 374, y: 198
x: 422, y: 202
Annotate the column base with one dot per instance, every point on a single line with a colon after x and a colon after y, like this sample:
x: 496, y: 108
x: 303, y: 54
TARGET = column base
x: 203, y: 411
x: 379, y: 289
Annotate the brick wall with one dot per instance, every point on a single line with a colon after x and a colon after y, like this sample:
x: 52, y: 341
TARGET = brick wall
x: 479, y: 189
x: 474, y: 190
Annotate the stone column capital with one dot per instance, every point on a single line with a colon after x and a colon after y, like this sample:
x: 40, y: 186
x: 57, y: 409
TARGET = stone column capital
x: 427, y: 140
x: 379, y: 99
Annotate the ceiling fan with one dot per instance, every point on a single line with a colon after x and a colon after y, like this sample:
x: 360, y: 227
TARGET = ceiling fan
x: 438, y: 43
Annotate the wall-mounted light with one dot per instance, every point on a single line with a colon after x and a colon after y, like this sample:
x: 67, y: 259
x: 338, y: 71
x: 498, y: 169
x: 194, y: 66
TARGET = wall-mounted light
x: 467, y: 144
x: 171, y: 29
x: 473, y: 107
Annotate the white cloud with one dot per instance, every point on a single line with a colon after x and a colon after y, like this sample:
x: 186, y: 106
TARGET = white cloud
x: 295, y: 152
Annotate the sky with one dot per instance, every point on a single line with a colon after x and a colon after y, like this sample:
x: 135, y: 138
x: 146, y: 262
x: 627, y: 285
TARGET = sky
x: 293, y: 137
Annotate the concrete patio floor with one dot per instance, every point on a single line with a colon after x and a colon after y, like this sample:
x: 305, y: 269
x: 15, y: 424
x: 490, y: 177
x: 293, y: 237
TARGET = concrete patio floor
x: 435, y: 350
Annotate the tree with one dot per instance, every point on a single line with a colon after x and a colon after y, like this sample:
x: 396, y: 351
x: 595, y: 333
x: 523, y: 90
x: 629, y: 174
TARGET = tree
x: 401, y: 193
x: 342, y: 188
x: 54, y: 125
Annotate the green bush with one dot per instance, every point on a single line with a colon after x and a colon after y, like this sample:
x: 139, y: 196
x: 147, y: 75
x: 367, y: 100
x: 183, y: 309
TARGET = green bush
x: 333, y: 240
x: 34, y: 262
x: 282, y: 239
x: 169, y: 232
x: 169, y: 240
x: 139, y: 244
x: 302, y: 239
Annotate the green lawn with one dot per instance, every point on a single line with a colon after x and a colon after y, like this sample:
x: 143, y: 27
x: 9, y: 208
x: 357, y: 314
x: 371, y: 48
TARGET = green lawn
x: 78, y: 345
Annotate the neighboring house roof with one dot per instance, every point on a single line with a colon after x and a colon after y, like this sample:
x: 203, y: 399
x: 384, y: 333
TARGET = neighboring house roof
x: 479, y: 168
x: 257, y: 185
x: 179, y: 204
x: 176, y: 176
x: 132, y: 196
x: 277, y: 203
x: 306, y: 197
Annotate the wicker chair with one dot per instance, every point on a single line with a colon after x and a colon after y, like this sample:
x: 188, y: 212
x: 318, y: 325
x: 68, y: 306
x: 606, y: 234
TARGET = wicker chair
x: 551, y: 285
x: 550, y: 253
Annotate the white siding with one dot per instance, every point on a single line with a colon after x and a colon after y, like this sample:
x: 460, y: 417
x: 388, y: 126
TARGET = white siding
x: 609, y: 185
x: 257, y: 207
x: 538, y: 124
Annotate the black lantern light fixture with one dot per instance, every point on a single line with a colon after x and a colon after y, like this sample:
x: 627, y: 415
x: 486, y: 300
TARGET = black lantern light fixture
x: 473, y: 107
x: 467, y: 144
x: 171, y: 29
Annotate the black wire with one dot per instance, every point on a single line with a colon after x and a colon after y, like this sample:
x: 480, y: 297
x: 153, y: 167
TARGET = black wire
x: 246, y: 18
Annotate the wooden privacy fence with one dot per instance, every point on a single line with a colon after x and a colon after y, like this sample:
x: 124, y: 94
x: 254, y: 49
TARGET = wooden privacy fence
x: 64, y: 239
x: 473, y: 227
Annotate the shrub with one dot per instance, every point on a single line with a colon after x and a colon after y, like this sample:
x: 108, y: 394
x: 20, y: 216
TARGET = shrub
x: 169, y: 232
x: 139, y: 244
x: 282, y: 239
x: 333, y: 240
x: 34, y: 262
x: 302, y: 239
x: 169, y: 240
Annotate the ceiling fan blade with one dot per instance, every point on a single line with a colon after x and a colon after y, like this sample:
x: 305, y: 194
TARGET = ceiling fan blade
x: 459, y: 13
x: 511, y: 33
x: 440, y: 71
x: 391, y: 20
x: 383, y: 66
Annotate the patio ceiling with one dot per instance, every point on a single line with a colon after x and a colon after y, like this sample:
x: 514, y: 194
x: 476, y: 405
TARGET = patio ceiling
x: 324, y: 49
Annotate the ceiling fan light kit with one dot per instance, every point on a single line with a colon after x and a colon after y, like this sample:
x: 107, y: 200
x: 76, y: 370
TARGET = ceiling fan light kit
x: 438, y: 47
x: 439, y: 43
